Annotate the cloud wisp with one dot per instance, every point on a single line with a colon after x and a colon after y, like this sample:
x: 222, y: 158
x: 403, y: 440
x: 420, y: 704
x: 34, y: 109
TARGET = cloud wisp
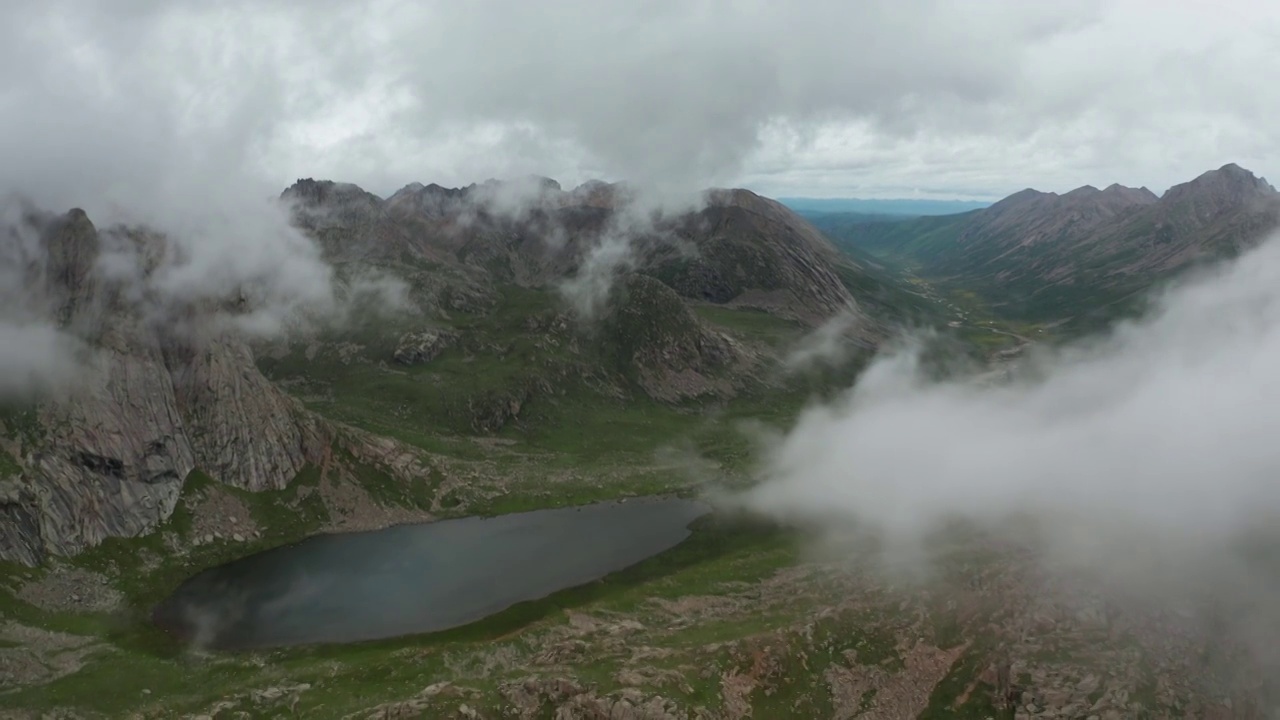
x: 828, y: 345
x: 1146, y: 456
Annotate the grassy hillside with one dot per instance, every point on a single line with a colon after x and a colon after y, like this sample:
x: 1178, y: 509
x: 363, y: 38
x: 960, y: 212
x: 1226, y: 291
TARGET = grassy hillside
x: 1083, y: 258
x: 523, y: 409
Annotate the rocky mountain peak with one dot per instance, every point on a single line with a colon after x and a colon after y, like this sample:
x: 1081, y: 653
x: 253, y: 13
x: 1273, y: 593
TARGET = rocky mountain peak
x: 432, y: 200
x: 599, y: 194
x: 539, y: 182
x: 1033, y: 215
x: 325, y: 192
x: 741, y: 197
x: 324, y: 202
x: 1019, y: 199
x: 1089, y: 200
x: 1228, y: 185
x: 1135, y: 196
x: 1083, y: 191
x: 72, y: 248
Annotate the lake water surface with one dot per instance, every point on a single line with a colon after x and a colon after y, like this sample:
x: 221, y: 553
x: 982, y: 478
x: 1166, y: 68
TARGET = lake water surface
x: 417, y: 578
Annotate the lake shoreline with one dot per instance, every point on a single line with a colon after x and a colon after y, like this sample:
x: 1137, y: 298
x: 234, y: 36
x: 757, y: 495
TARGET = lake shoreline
x: 417, y: 578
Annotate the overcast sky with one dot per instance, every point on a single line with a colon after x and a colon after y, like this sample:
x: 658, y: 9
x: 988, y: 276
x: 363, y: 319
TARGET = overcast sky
x: 124, y: 100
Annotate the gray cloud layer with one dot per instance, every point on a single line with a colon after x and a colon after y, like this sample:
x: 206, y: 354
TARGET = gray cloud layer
x: 125, y: 101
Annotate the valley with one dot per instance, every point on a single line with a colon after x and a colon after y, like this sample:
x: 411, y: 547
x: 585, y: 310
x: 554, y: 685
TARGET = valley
x: 1083, y: 258
x: 523, y: 369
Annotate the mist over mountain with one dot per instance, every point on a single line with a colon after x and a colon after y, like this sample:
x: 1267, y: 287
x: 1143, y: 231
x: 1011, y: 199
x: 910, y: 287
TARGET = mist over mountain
x: 148, y: 369
x: 1004, y: 459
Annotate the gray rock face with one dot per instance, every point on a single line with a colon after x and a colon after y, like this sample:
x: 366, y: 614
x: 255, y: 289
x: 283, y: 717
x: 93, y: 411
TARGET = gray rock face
x: 19, y: 527
x: 72, y: 245
x: 110, y: 455
x: 243, y: 430
x: 113, y: 458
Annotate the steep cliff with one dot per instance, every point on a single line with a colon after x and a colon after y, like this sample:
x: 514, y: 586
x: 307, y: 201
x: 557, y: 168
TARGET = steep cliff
x: 107, y: 455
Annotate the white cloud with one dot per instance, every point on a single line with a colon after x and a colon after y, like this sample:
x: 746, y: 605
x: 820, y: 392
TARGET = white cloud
x: 1145, y: 456
x: 827, y: 345
x: 36, y: 358
x: 136, y: 101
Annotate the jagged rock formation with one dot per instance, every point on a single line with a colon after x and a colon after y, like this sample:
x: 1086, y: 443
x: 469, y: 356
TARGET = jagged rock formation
x: 108, y: 457
x: 243, y: 430
x: 737, y: 248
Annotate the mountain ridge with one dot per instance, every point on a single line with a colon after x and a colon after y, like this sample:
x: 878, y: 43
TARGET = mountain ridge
x: 1046, y: 257
x: 169, y: 402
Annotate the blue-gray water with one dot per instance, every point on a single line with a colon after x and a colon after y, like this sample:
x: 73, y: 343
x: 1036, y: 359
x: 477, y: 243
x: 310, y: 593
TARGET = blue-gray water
x: 417, y: 578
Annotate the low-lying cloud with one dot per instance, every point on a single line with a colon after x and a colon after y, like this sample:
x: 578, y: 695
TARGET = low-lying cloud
x: 94, y: 121
x: 1147, y: 455
x: 828, y: 345
x: 638, y: 214
x: 37, y: 358
x: 1166, y: 424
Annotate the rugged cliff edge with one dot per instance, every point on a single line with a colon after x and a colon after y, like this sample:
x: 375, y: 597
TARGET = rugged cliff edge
x: 107, y: 456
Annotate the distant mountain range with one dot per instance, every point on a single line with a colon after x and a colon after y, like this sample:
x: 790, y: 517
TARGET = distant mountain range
x: 893, y: 208
x: 1086, y: 255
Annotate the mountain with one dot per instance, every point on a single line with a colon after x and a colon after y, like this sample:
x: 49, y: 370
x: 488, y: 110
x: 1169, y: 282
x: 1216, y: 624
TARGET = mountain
x: 1042, y: 256
x: 109, y: 455
x: 696, y: 307
x: 533, y: 233
x: 497, y: 348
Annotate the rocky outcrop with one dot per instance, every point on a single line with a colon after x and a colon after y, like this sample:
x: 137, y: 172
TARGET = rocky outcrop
x: 322, y: 203
x: 736, y: 247
x: 422, y: 346
x: 112, y: 459
x: 108, y: 456
x: 19, y: 525
x: 73, y: 247
x: 243, y: 430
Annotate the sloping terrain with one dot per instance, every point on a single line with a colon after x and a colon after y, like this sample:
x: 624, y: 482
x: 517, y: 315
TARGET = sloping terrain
x: 1045, y: 257
x: 109, y: 458
x: 485, y: 338
x: 189, y: 444
x: 489, y: 389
